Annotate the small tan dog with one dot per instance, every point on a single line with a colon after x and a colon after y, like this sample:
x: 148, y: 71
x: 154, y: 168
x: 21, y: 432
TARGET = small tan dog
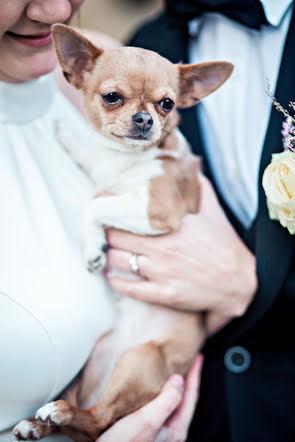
x: 143, y: 161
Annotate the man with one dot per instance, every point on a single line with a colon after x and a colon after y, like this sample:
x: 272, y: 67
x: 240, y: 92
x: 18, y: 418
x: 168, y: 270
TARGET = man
x: 247, y: 390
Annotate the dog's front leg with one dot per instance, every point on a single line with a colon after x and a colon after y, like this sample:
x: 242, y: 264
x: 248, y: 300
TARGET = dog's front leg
x: 95, y: 245
x: 127, y: 212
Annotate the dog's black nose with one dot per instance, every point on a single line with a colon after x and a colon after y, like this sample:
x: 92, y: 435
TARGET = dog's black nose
x: 143, y: 121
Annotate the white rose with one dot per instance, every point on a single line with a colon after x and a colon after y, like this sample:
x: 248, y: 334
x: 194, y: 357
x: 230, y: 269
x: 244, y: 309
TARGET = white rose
x: 279, y: 185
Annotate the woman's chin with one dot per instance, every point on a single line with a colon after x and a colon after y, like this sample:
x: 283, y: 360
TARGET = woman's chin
x: 40, y: 64
x: 36, y: 73
x: 29, y: 67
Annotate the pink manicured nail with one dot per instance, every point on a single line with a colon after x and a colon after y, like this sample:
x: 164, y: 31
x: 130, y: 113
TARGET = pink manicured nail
x: 106, y: 271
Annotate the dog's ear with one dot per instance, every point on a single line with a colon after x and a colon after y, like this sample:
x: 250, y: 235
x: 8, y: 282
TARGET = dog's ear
x: 199, y: 80
x: 76, y: 54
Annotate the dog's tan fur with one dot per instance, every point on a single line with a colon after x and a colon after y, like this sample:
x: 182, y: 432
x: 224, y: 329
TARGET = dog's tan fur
x: 177, y: 191
x: 144, y: 79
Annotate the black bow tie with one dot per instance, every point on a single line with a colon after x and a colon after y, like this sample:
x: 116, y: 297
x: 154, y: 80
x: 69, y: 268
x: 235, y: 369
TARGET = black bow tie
x: 247, y: 12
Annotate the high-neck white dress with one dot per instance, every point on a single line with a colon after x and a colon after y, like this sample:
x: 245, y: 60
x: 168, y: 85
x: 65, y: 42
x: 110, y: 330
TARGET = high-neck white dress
x: 52, y: 310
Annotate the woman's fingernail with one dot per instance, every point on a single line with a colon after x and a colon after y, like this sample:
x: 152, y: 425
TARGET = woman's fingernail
x: 178, y: 381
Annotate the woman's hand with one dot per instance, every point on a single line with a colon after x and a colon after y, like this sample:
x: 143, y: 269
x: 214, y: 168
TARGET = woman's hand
x: 154, y: 422
x: 203, y: 266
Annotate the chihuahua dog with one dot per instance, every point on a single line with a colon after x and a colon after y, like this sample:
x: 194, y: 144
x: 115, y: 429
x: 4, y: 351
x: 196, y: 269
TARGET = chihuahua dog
x: 145, y: 165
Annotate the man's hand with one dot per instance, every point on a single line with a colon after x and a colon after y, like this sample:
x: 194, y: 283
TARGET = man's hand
x: 155, y: 422
x: 203, y: 266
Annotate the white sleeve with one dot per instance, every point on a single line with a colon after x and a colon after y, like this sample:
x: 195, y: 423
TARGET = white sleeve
x: 28, y: 367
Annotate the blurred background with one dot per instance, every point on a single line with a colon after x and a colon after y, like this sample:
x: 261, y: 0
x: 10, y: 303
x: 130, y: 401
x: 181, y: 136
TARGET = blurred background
x: 117, y: 18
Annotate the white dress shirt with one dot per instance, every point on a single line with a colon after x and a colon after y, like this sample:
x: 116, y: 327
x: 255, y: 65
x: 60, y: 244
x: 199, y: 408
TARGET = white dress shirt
x: 234, y: 119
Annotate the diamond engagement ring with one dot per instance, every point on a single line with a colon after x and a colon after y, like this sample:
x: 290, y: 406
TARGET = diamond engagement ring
x: 134, y: 268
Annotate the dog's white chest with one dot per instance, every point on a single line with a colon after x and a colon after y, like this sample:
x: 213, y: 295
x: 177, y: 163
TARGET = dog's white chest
x: 124, y: 172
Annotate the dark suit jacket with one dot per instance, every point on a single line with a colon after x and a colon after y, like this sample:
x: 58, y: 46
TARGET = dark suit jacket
x: 259, y: 403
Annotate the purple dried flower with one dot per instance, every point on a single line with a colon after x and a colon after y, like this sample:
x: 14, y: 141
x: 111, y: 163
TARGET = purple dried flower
x: 288, y: 132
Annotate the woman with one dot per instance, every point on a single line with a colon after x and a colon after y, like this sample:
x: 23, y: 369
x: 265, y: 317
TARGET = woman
x: 51, y: 309
x: 48, y: 325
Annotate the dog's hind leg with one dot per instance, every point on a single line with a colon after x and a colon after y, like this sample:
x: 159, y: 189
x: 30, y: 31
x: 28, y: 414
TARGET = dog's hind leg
x: 129, y: 389
x: 126, y: 391
x: 138, y: 377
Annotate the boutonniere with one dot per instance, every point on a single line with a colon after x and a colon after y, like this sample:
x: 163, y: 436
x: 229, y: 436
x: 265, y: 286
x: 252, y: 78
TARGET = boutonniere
x: 279, y: 177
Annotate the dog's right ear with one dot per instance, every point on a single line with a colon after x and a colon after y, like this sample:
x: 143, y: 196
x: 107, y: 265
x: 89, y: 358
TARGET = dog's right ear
x: 76, y: 54
x: 196, y: 81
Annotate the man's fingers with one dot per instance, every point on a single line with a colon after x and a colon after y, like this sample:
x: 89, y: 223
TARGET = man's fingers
x: 176, y: 427
x: 145, y: 423
x: 183, y: 416
x: 156, y: 412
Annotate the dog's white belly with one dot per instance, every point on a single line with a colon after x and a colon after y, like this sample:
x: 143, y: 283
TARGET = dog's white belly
x: 139, y: 322
x: 136, y: 324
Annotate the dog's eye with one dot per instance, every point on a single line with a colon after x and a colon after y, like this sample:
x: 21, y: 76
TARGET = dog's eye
x: 111, y: 98
x: 167, y: 104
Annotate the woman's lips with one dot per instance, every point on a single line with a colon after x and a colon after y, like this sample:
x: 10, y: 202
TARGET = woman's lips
x: 34, y: 41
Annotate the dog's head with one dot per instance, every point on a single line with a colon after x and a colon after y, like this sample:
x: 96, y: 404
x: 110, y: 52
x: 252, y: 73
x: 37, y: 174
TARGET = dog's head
x: 131, y: 94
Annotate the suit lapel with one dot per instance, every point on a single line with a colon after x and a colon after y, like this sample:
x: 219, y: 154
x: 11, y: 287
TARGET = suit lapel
x: 274, y: 244
x: 191, y: 129
x: 162, y: 36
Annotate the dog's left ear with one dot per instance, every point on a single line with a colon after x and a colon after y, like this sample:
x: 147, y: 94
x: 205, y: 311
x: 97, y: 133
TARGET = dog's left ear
x: 76, y: 54
x: 196, y: 81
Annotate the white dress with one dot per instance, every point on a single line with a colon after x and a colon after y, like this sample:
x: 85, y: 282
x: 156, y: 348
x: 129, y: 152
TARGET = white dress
x: 52, y: 310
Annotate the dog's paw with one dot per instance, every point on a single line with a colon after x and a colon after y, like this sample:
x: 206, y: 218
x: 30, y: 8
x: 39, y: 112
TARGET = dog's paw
x: 95, y: 256
x: 27, y: 429
x: 55, y: 413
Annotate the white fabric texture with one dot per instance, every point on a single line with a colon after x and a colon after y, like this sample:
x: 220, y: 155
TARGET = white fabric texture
x: 234, y: 118
x: 52, y: 310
